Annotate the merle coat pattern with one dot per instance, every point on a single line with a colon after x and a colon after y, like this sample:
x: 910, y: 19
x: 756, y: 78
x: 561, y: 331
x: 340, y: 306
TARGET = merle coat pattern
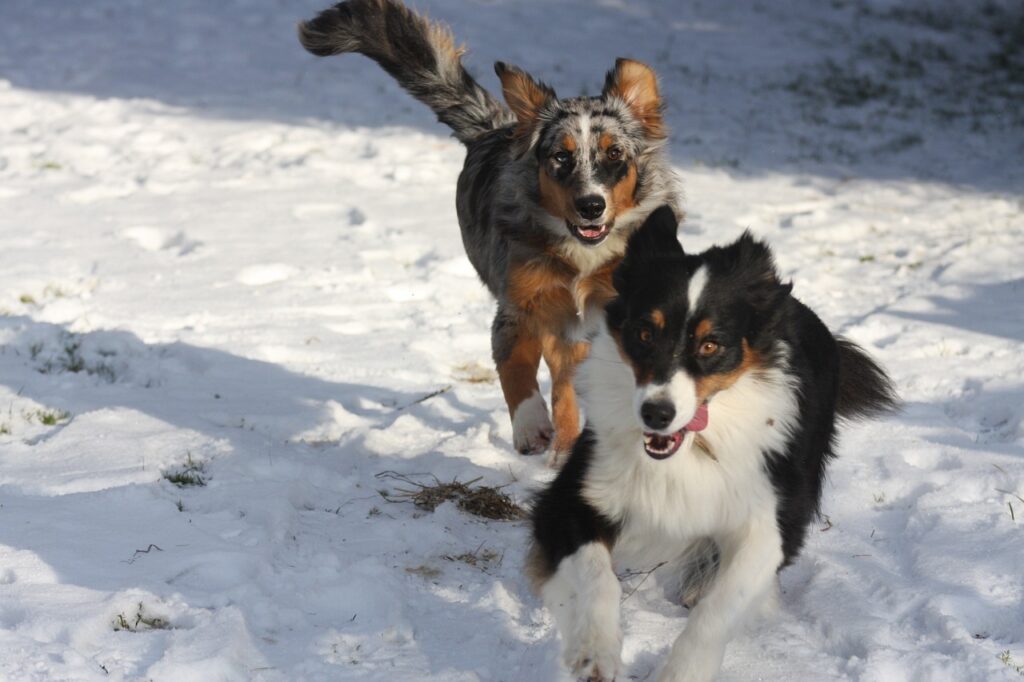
x: 549, y: 194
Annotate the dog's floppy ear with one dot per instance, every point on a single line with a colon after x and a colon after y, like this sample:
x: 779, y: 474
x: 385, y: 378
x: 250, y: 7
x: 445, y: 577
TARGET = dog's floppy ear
x: 635, y: 83
x: 654, y: 240
x: 524, y: 95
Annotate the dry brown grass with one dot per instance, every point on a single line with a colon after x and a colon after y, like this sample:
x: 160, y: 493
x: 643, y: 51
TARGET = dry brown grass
x: 475, y: 373
x: 488, y: 502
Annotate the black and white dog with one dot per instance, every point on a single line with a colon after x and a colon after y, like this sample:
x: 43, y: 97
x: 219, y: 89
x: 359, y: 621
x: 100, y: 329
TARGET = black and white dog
x: 711, y: 397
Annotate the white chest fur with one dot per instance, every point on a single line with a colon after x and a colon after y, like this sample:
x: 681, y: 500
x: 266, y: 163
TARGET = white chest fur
x: 692, y: 494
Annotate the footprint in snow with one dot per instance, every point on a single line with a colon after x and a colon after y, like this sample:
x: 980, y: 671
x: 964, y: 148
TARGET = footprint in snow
x: 101, y: 192
x: 155, y: 239
x: 988, y: 415
x: 268, y: 273
x: 329, y: 212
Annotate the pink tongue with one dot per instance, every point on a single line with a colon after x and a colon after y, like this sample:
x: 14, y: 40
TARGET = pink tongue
x: 595, y: 232
x: 700, y: 420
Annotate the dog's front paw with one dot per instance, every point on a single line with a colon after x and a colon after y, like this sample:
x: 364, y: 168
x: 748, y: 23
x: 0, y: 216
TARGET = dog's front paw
x: 596, y: 657
x: 531, y: 427
x: 533, y: 442
x: 692, y: 673
x: 693, y: 661
x: 596, y: 667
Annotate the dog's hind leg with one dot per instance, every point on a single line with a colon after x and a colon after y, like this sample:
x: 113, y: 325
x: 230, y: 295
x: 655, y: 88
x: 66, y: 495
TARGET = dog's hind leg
x: 561, y: 357
x: 693, y: 573
x: 583, y: 595
x: 517, y: 353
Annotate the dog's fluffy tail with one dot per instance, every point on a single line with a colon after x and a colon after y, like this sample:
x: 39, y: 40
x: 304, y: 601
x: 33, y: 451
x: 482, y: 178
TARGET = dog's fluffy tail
x: 865, y: 390
x: 421, y: 55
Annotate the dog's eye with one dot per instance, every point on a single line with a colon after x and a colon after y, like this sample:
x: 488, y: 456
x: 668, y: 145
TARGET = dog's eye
x: 614, y: 153
x: 644, y: 334
x: 562, y: 157
x: 708, y: 348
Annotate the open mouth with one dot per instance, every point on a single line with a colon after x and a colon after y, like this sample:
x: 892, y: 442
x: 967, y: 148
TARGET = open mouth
x: 589, y: 234
x: 660, y: 446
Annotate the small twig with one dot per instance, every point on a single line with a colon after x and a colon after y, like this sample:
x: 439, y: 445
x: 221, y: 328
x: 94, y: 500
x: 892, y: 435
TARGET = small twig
x: 433, y: 394
x: 137, y: 552
x: 1013, y: 516
x: 1007, y: 492
x: 633, y: 574
x: 354, y: 499
x: 827, y: 526
x: 404, y: 478
x: 855, y: 556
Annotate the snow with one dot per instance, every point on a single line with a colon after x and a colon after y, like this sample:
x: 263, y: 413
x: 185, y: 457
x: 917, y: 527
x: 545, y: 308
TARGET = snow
x: 222, y: 256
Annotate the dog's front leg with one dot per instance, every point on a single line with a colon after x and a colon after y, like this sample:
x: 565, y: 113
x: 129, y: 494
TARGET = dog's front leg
x: 562, y: 356
x: 583, y: 595
x: 750, y: 557
x: 517, y: 352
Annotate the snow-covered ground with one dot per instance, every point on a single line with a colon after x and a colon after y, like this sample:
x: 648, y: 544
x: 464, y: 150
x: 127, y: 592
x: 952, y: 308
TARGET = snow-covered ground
x: 225, y: 261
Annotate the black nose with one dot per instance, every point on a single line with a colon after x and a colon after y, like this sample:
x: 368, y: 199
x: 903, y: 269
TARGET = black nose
x: 590, y: 207
x: 657, y: 414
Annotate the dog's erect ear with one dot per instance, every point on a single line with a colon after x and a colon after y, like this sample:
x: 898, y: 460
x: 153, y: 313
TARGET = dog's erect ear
x: 753, y: 266
x: 636, y: 84
x: 657, y: 236
x: 753, y: 261
x: 654, y: 240
x: 525, y: 96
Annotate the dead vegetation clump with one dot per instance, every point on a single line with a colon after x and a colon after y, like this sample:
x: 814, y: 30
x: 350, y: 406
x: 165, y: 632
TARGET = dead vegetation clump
x: 475, y: 373
x: 139, y: 621
x: 191, y: 474
x: 424, y: 571
x: 488, y: 502
x: 480, y: 558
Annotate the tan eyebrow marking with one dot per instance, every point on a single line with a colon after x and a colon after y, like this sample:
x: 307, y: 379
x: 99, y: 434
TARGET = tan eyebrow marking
x: 658, y: 318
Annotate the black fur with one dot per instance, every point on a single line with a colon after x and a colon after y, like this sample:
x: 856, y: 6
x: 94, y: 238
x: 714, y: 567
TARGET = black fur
x: 578, y: 522
x: 864, y: 388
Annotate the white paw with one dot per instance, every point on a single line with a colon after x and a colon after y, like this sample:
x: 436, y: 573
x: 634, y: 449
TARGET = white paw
x: 596, y: 660
x: 531, y: 427
x: 693, y: 661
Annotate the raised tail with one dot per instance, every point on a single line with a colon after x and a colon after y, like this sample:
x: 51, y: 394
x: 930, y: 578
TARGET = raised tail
x: 421, y: 55
x: 865, y: 390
